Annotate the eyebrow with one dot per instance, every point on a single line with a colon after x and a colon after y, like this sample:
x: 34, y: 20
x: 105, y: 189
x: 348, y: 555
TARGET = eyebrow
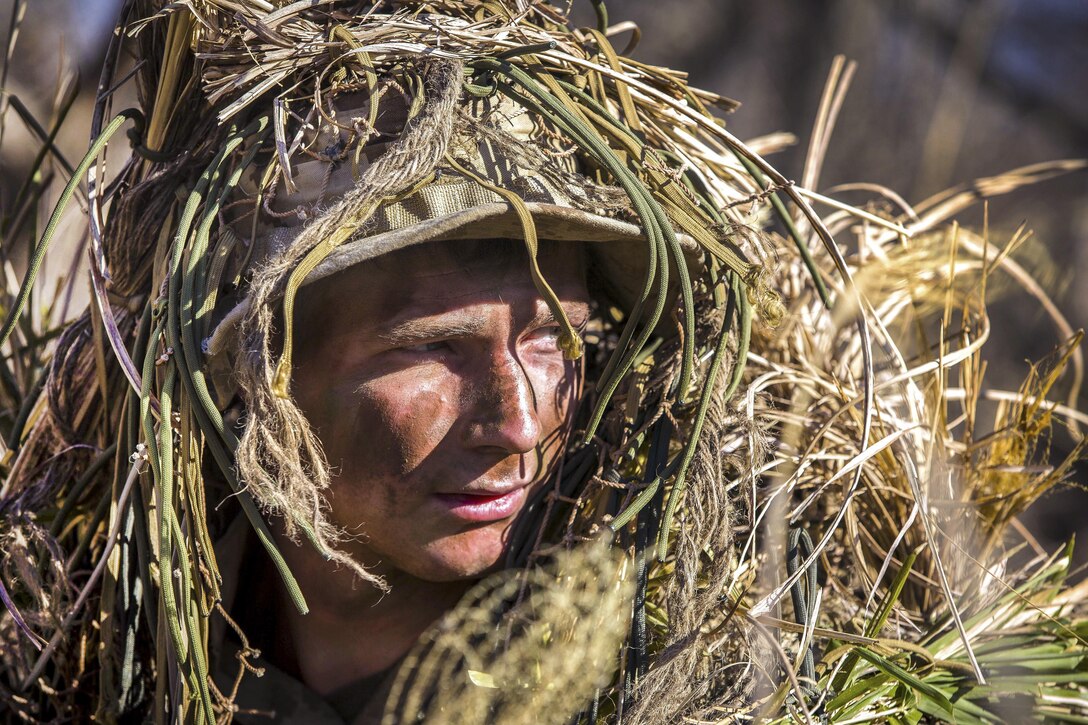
x: 542, y: 318
x: 419, y: 330
x: 422, y: 329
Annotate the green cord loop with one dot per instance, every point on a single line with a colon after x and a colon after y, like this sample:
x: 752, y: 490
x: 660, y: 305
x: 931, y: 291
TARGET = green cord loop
x: 804, y: 594
x: 36, y: 259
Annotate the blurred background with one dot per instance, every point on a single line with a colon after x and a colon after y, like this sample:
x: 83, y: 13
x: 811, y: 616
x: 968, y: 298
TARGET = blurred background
x: 945, y: 91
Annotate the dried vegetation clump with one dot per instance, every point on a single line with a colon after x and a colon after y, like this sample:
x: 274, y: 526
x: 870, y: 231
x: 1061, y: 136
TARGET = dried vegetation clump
x: 809, y: 489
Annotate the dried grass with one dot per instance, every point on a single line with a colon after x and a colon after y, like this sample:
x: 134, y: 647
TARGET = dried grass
x: 863, y: 415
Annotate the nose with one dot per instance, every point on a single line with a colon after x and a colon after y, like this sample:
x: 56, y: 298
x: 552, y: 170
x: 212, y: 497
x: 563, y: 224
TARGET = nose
x: 504, y: 407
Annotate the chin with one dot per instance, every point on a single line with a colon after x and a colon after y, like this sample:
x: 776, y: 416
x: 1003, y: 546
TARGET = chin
x: 468, y: 555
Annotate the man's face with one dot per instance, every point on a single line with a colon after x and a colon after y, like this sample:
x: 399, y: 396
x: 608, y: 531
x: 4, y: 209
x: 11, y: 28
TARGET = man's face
x: 433, y: 379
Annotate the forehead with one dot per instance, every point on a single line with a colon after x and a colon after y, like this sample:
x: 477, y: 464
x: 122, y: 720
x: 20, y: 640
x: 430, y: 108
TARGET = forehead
x: 435, y: 275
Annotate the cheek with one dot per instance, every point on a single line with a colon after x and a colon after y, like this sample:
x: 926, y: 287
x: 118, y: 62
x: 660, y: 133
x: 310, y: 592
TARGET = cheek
x: 557, y: 385
x: 403, y: 419
x: 384, y: 433
x: 381, y: 427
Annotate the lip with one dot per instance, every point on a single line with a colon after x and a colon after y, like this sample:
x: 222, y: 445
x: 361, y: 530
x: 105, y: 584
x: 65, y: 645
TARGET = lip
x: 483, y: 507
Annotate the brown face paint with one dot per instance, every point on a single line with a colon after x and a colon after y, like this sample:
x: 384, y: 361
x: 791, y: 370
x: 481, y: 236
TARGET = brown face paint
x: 440, y: 397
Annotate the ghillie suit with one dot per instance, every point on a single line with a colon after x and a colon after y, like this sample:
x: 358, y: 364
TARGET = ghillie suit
x: 810, y: 516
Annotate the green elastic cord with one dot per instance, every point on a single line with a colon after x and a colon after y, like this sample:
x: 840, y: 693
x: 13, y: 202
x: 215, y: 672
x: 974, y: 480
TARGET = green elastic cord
x: 147, y: 376
x: 42, y: 247
x: 634, y: 148
x: 730, y: 257
x: 803, y: 593
x: 664, y: 229
x: 167, y: 514
x: 339, y: 32
x: 740, y: 299
x: 656, y: 223
x: 626, y: 102
x: 602, y: 15
x: 221, y: 441
x: 733, y: 260
x: 569, y: 341
x: 281, y: 380
x: 527, y: 50
x: 795, y: 234
x: 171, y: 540
x: 546, y: 102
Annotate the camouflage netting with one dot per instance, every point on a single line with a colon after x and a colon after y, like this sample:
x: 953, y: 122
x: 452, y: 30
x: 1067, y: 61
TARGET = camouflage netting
x: 785, y: 495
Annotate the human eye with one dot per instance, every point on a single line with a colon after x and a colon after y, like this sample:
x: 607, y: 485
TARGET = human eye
x: 547, y: 332
x: 545, y: 337
x: 423, y: 348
